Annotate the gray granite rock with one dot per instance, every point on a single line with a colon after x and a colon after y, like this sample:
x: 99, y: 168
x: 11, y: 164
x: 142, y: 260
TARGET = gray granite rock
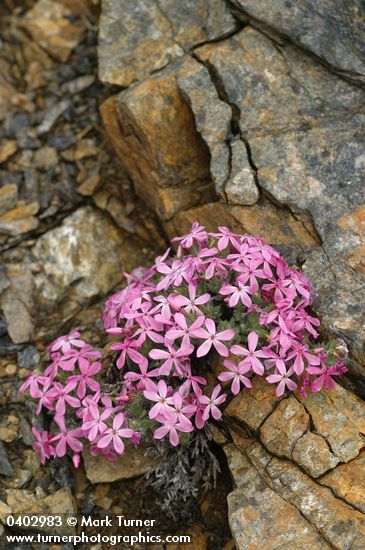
x: 332, y: 29
x: 139, y: 38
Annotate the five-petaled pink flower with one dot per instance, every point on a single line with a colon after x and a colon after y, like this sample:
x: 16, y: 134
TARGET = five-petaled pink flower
x: 211, y: 403
x: 214, y: 338
x: 236, y: 374
x: 282, y: 377
x: 115, y: 434
x: 251, y: 353
x: 158, y: 392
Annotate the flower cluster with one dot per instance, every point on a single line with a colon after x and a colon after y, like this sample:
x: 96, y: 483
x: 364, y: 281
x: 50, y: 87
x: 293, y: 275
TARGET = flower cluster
x: 224, y: 296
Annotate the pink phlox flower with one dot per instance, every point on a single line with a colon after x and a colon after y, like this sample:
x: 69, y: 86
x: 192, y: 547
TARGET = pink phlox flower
x: 174, y: 275
x: 251, y: 354
x: 115, y: 434
x: 45, y: 400
x: 96, y: 424
x: 216, y: 268
x: 185, y: 332
x: 65, y: 343
x: 127, y: 348
x: 214, y: 338
x: 192, y: 382
x: 171, y: 356
x: 161, y: 260
x: 257, y: 246
x: 171, y: 426
x: 197, y: 234
x: 42, y: 443
x: 225, y: 237
x: 239, y: 292
x: 281, y: 289
x: 52, y: 370
x: 67, y: 438
x: 304, y: 321
x: 61, y: 394
x: 236, y: 374
x: 148, y: 328
x: 283, y: 333
x: 85, y: 379
x: 211, y: 403
x: 324, y: 375
x: 282, y: 377
x: 249, y: 271
x: 300, y: 352
x: 159, y: 393
x: 32, y: 382
x: 143, y: 377
x: 164, y: 306
x: 239, y: 256
x: 81, y: 356
x: 182, y: 412
x: 191, y: 303
x: 300, y: 284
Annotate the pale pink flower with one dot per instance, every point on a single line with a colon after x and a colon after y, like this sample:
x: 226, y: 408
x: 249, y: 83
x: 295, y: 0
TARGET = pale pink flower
x: 115, y: 434
x: 42, y: 443
x: 251, y: 353
x: 211, y: 403
x: 282, y: 377
x: 159, y: 393
x: 214, y: 338
x: 236, y: 374
x: 239, y: 292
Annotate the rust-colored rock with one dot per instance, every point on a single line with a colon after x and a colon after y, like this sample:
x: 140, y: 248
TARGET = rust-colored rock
x: 313, y: 454
x: 337, y: 522
x: 153, y: 132
x: 284, y: 427
x: 339, y: 416
x: 260, y: 518
x: 347, y: 481
x: 253, y: 406
x: 50, y: 24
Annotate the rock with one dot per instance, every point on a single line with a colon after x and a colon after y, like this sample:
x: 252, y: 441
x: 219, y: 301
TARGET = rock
x: 229, y: 165
x: 21, y: 212
x: 24, y: 501
x: 133, y: 463
x: 19, y: 321
x: 6, y: 468
x: 170, y: 170
x: 28, y: 357
x: 7, y: 148
x: 254, y: 406
x: 17, y: 302
x: 81, y: 259
x: 303, y: 127
x: 313, y: 454
x: 8, y: 197
x: 136, y: 40
x: 241, y: 187
x: 260, y: 518
x: 53, y: 26
x: 45, y: 157
x: 337, y: 522
x: 52, y: 115
x: 347, y: 482
x: 339, y: 417
x: 212, y: 117
x: 284, y: 427
x: 9, y: 427
x: 332, y: 30
x: 278, y: 227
